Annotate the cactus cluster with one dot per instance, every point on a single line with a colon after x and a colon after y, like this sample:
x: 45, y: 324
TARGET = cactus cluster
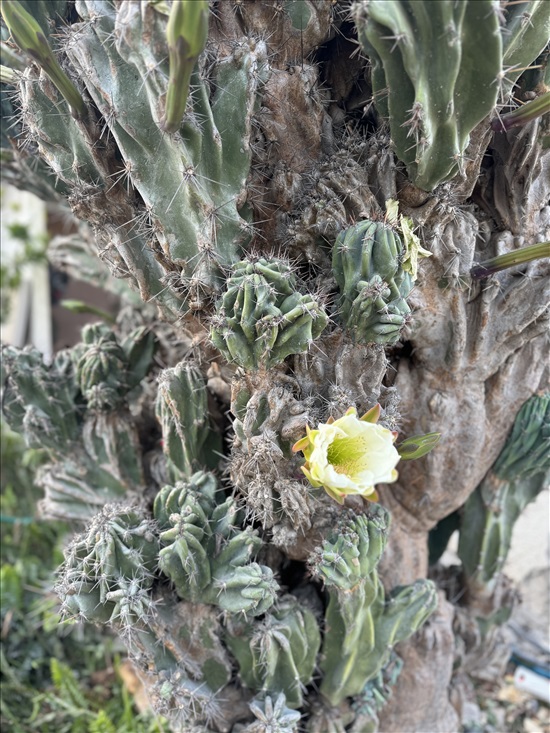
x: 439, y: 68
x: 108, y: 578
x: 262, y: 317
x: 109, y: 569
x: 367, y: 263
x: 206, y: 555
x: 122, y: 569
x: 175, y: 201
x: 76, y: 408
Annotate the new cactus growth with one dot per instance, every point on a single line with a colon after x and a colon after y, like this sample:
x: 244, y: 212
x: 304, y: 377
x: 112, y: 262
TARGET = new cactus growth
x: 204, y: 552
x: 278, y: 653
x: 186, y: 32
x: 182, y: 410
x: 108, y: 570
x: 271, y: 715
x: 362, y: 623
x: 367, y: 265
x: 263, y: 318
x: 375, y: 695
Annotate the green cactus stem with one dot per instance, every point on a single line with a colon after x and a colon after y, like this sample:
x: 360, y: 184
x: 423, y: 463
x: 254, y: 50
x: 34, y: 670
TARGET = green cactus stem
x: 367, y: 265
x: 438, y: 70
x: 108, y: 578
x: 189, y: 443
x: 262, y: 317
x: 7, y: 75
x: 519, y: 474
x: 39, y: 401
x: 76, y: 409
x: 186, y: 33
x: 523, y: 115
x: 510, y: 259
x: 189, y: 220
x: 205, y: 553
x: 374, y: 697
x: 362, y: 623
x: 279, y: 653
x: 107, y: 370
x: 108, y: 570
x: 79, y: 306
x: 30, y: 38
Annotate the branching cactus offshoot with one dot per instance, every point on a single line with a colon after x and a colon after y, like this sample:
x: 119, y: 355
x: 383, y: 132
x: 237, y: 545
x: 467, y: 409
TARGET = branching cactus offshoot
x: 263, y: 318
x: 430, y: 79
x: 367, y: 265
x: 296, y: 192
x: 362, y: 624
x: 519, y: 474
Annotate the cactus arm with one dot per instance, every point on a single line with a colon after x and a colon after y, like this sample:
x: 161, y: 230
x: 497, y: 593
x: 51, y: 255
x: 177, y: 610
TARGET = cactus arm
x: 427, y: 55
x: 519, y: 474
x: 76, y: 408
x: 525, y: 36
x: 30, y: 38
x: 189, y: 442
x: 278, y: 654
x: 361, y: 624
x: 206, y: 557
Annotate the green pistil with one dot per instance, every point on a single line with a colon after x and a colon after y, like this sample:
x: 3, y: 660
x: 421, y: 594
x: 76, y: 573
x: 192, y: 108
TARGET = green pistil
x: 346, y: 451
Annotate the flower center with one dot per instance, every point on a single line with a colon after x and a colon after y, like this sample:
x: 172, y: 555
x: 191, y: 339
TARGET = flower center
x: 345, y: 454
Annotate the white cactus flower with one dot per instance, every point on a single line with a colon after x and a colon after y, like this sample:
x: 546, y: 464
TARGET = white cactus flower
x: 350, y: 455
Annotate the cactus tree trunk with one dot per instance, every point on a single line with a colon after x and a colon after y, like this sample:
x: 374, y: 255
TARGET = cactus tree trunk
x: 306, y: 223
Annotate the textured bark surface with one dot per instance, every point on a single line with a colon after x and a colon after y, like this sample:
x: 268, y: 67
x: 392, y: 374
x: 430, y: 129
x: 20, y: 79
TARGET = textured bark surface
x: 428, y: 659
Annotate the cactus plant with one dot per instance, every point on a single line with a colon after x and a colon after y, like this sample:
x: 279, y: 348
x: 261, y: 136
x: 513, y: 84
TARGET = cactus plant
x: 367, y: 265
x: 427, y: 55
x: 239, y: 179
x: 280, y: 652
x: 518, y: 475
